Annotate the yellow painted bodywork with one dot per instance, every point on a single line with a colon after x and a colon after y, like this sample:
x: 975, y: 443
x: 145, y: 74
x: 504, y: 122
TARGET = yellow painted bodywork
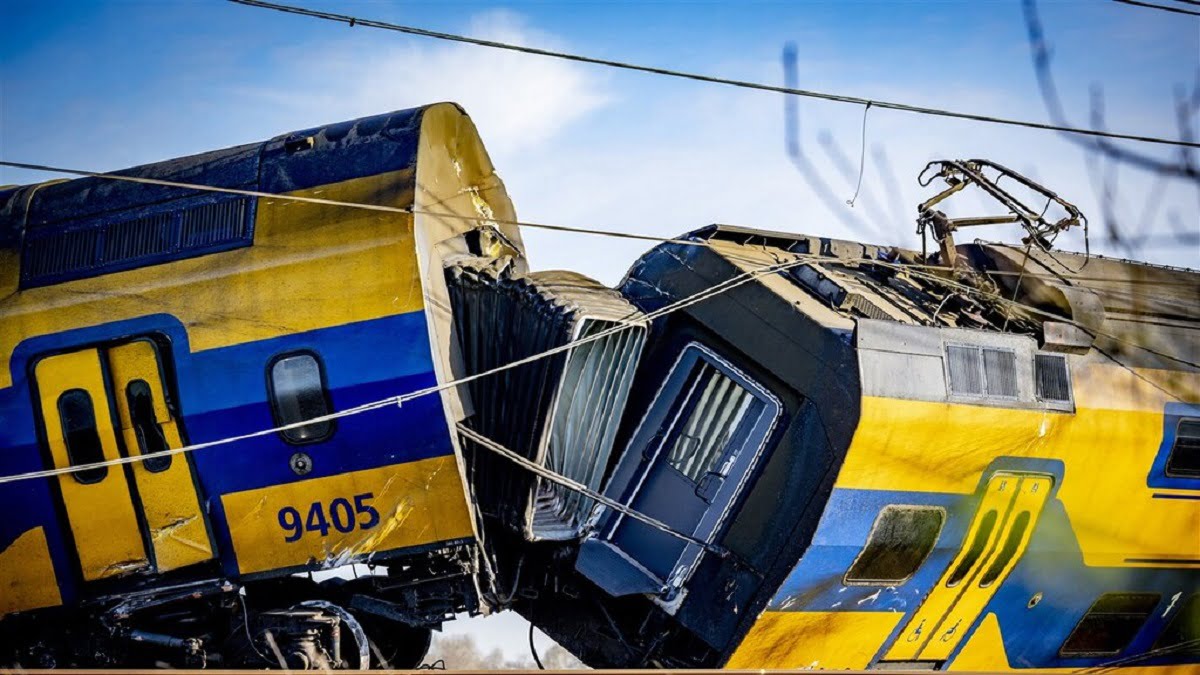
x: 170, y: 503
x: 1107, y: 447
x: 310, y: 267
x: 27, y: 578
x: 419, y: 503
x: 949, y: 611
x: 944, y: 447
x: 829, y: 640
x: 103, y: 523
x: 288, y: 282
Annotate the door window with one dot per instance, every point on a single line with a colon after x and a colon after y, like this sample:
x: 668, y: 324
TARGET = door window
x: 714, y: 410
x: 80, y: 436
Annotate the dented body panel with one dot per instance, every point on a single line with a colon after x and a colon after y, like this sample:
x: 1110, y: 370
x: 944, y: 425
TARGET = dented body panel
x: 217, y: 290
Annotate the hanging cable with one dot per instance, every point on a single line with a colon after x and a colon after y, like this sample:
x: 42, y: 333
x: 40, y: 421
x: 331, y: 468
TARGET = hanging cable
x: 840, y: 98
x: 334, y: 202
x: 705, y: 294
x: 533, y: 650
x: 554, y: 477
x: 862, y: 157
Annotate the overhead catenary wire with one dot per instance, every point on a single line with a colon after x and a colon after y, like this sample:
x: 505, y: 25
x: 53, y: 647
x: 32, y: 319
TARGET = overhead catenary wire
x: 745, y: 84
x: 547, y: 226
x: 1165, y: 8
x: 401, y: 399
x: 333, y: 202
x: 576, y: 486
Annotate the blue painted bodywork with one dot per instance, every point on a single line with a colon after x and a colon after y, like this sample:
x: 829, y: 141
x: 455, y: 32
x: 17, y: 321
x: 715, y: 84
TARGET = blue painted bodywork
x: 223, y: 392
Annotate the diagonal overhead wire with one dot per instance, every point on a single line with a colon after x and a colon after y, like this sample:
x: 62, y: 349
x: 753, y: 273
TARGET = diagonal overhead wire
x: 1165, y: 8
x: 745, y: 84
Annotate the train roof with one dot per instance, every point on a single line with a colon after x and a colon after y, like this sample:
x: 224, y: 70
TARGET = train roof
x: 1145, y: 315
x: 287, y: 162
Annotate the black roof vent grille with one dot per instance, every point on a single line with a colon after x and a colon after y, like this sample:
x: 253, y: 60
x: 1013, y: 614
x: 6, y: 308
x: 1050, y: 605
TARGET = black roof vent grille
x: 115, y: 243
x: 1053, y: 381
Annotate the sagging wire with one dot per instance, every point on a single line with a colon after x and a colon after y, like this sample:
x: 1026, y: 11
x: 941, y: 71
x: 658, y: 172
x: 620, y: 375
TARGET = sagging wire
x: 533, y: 649
x: 334, y: 202
x: 798, y: 258
x: 717, y: 289
x: 575, y: 486
x: 862, y: 157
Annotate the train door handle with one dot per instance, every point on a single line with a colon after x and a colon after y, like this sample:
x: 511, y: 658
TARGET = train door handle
x: 709, y: 486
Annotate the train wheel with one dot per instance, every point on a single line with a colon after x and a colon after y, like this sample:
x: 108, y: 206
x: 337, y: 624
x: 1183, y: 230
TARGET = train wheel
x: 354, y: 648
x: 395, y: 645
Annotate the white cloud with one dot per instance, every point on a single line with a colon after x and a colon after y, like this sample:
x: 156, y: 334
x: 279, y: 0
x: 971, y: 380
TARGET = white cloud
x: 517, y: 101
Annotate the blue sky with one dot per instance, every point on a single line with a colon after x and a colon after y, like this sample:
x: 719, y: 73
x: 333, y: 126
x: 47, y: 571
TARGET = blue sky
x: 107, y: 85
x: 104, y: 86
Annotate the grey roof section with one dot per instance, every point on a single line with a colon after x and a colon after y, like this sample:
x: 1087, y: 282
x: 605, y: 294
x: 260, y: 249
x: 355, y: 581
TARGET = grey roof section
x: 1139, y: 314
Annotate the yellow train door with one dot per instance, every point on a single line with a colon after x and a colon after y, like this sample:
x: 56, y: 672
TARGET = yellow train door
x: 995, y: 541
x: 78, y: 426
x: 169, y: 500
x: 101, y: 404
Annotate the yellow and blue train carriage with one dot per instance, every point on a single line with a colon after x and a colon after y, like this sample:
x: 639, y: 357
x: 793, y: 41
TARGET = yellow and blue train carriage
x: 889, y: 471
x: 137, y: 318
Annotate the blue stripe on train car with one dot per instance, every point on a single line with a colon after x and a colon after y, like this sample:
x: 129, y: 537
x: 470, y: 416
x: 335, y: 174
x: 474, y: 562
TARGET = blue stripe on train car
x: 223, y: 393
x: 1052, y: 565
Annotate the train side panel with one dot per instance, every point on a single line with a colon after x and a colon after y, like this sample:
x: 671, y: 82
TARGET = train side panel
x: 320, y: 310
x: 1091, y: 526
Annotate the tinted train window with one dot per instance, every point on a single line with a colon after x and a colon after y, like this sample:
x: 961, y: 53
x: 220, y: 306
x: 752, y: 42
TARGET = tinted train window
x: 78, y: 419
x: 1183, y: 633
x: 714, y: 411
x: 1110, y: 625
x: 899, y: 543
x: 298, y: 394
x: 149, y: 433
x: 1184, y: 461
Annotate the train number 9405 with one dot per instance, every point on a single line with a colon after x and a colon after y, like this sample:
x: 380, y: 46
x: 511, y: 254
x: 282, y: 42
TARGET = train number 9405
x: 340, y: 515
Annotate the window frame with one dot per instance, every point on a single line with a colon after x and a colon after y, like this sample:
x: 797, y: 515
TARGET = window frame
x: 1091, y: 610
x: 273, y: 399
x: 83, y: 477
x: 1174, y: 445
x: 879, y: 517
x: 657, y: 412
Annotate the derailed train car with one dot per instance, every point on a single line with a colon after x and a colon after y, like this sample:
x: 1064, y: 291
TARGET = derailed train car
x: 837, y: 455
x: 139, y: 318
x: 897, y: 469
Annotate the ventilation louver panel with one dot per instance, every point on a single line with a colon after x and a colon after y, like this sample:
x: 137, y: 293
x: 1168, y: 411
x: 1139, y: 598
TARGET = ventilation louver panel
x: 1000, y: 372
x: 982, y: 371
x: 966, y: 375
x: 1053, y: 381
x: 561, y: 411
x: 55, y: 254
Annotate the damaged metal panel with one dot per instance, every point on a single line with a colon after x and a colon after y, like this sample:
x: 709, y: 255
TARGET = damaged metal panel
x: 562, y: 411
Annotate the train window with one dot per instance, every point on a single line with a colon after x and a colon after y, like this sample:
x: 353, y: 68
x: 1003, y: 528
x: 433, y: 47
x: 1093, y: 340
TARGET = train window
x: 715, y: 412
x: 1015, y: 534
x: 1182, y: 635
x: 78, y: 418
x: 983, y: 534
x: 297, y: 388
x: 1184, y: 460
x: 900, y: 541
x: 1110, y: 624
x: 149, y: 434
